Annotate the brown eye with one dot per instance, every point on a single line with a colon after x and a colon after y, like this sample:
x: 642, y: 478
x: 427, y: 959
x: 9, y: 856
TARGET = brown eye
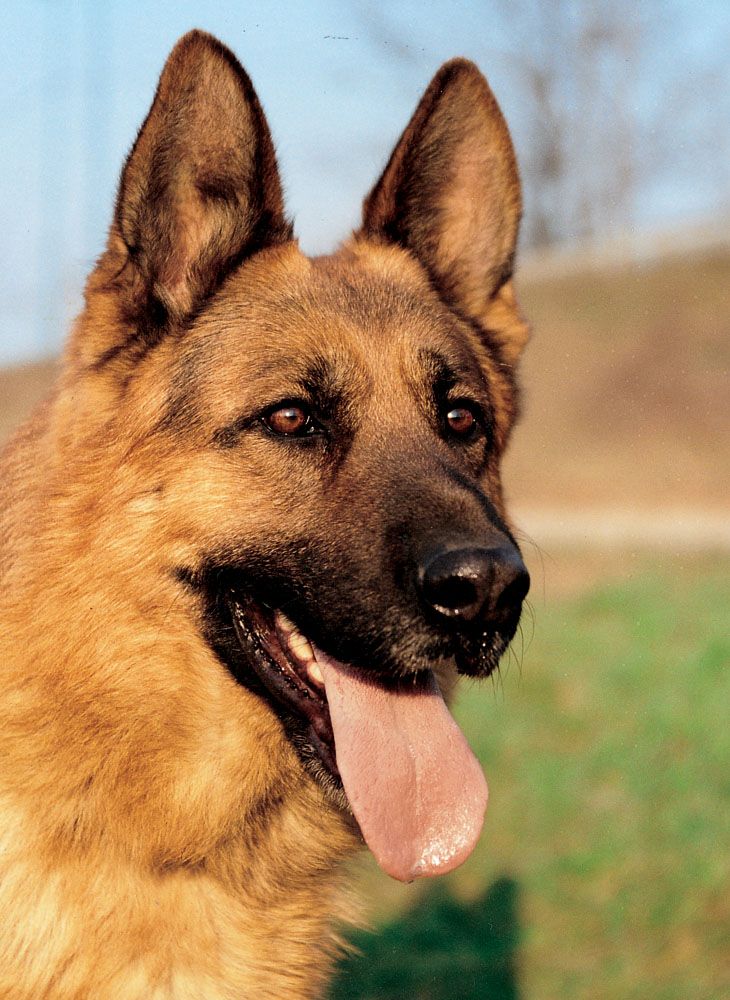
x: 290, y: 421
x: 461, y: 420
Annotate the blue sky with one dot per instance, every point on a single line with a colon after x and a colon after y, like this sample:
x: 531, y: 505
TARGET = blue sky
x: 338, y: 82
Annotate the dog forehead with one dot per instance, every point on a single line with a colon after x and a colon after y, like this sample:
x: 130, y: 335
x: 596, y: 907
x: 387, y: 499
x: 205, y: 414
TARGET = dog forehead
x: 362, y: 308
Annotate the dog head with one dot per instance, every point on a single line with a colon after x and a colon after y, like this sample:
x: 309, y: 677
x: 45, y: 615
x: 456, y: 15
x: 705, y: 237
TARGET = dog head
x: 311, y: 448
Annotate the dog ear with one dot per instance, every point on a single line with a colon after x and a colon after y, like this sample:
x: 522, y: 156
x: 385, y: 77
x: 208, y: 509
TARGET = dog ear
x: 450, y: 193
x: 200, y: 190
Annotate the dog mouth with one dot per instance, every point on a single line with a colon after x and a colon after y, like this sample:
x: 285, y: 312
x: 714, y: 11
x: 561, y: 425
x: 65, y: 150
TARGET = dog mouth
x: 285, y: 664
x: 416, y: 790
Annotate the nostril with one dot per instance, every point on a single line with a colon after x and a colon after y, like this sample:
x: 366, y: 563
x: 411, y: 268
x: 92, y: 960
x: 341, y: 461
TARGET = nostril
x: 456, y: 583
x: 473, y: 583
x: 451, y: 595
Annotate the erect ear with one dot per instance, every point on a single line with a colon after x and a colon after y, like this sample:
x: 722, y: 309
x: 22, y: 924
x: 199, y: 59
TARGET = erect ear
x: 450, y: 192
x: 200, y: 189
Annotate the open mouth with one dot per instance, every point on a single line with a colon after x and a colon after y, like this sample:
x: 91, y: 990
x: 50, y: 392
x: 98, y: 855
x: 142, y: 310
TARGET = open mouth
x: 285, y: 664
x: 413, y: 785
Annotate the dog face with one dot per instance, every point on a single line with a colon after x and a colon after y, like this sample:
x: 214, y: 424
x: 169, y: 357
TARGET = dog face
x: 312, y: 447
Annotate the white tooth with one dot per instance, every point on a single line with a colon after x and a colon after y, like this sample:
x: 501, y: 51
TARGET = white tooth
x: 298, y: 644
x: 301, y: 647
x: 315, y: 673
x: 283, y: 622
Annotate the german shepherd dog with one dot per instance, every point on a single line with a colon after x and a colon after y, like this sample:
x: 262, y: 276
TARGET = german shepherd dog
x: 247, y: 546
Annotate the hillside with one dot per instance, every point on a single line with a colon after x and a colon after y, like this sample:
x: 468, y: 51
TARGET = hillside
x: 627, y: 389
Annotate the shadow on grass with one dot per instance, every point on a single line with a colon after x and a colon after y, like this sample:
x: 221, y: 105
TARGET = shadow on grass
x: 441, y: 950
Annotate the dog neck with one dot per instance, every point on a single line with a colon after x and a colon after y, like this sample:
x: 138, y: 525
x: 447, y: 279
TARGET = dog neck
x: 146, y: 848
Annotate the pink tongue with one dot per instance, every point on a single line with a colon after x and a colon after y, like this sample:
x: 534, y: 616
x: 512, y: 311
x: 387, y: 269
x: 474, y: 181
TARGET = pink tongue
x: 415, y: 787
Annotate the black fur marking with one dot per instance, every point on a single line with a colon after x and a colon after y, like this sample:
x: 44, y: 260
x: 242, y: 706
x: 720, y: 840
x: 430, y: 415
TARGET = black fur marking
x: 459, y: 479
x: 149, y: 330
x: 113, y: 352
x: 490, y: 342
x: 323, y: 389
x: 445, y: 375
x: 506, y: 273
x: 441, y: 372
x: 484, y: 335
x: 188, y: 577
x: 228, y: 437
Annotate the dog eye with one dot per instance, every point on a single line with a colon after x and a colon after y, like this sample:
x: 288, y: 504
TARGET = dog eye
x: 462, y: 419
x: 290, y: 420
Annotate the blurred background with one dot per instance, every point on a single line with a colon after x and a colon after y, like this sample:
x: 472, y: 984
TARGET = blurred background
x: 602, y: 871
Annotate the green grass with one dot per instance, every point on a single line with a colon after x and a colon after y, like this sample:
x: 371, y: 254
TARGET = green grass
x: 602, y: 869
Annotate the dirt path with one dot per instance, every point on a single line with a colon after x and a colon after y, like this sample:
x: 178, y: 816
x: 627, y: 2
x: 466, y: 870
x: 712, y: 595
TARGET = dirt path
x: 677, y: 530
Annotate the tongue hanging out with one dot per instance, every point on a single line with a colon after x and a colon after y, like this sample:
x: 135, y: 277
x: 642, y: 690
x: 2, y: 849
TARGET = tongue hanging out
x: 415, y: 787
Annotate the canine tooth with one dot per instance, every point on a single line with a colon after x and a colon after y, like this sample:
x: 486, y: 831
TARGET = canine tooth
x: 298, y: 644
x: 301, y: 648
x: 315, y: 673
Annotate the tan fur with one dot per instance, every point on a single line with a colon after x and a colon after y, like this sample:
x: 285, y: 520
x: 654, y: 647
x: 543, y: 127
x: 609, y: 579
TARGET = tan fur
x: 159, y: 837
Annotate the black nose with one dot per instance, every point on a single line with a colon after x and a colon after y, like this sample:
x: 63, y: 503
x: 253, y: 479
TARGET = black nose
x: 470, y: 583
